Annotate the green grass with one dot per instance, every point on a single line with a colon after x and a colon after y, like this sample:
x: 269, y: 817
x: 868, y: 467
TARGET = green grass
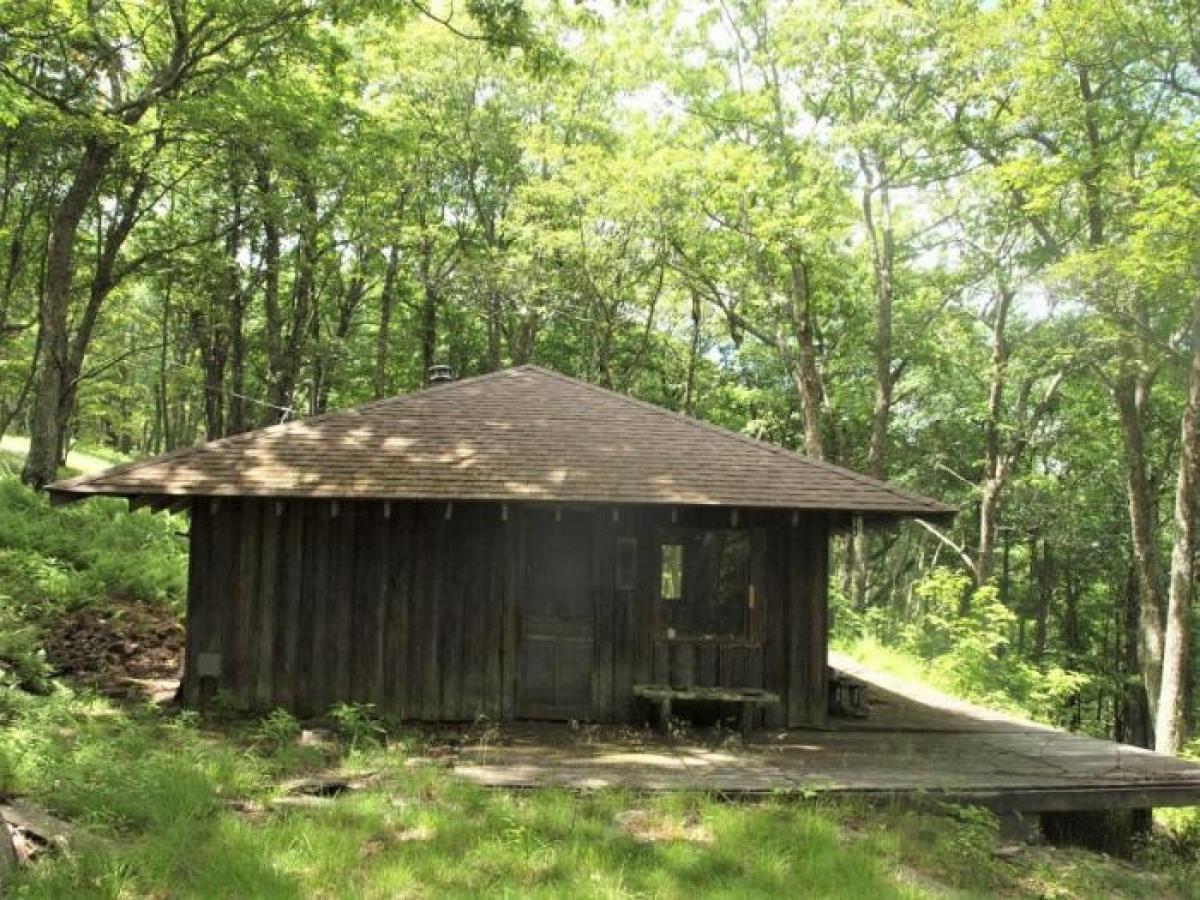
x: 155, y: 789
x: 156, y: 786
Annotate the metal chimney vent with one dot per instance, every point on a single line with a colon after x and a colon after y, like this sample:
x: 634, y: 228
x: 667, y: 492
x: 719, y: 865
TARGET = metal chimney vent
x: 440, y: 375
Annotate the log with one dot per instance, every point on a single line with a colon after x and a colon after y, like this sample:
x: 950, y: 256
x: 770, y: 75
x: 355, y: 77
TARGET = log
x: 38, y: 830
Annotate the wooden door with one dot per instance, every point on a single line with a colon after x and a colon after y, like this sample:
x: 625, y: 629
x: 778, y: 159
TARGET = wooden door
x: 557, y: 618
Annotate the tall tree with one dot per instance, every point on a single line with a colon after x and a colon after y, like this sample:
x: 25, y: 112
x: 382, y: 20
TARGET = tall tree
x: 111, y: 66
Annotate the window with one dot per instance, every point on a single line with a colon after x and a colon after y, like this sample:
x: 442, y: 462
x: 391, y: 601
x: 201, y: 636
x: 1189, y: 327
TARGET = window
x: 705, y: 584
x: 672, y: 571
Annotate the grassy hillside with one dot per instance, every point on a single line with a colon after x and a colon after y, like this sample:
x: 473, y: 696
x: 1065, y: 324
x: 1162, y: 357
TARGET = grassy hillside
x: 173, y: 804
x: 59, y: 563
x: 13, y: 449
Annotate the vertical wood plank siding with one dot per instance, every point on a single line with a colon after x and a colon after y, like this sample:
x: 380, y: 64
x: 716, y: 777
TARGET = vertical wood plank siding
x: 417, y: 611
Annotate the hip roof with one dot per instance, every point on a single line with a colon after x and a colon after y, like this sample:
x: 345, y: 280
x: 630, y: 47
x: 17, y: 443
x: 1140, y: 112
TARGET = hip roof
x: 521, y: 434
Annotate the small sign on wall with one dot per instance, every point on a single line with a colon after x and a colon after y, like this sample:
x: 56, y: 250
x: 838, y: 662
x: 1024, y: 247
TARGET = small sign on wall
x: 208, y: 665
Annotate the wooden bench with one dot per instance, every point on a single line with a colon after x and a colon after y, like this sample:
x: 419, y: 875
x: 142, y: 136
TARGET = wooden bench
x: 750, y: 699
x: 847, y: 695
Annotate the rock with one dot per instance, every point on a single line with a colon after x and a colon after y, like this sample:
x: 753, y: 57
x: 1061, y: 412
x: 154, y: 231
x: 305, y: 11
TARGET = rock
x: 417, y: 762
x: 316, y: 786
x: 328, y: 785
x: 25, y: 845
x: 417, y: 833
x: 316, y: 737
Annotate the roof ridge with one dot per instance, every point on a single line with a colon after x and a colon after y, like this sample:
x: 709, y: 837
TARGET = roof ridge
x: 755, y: 442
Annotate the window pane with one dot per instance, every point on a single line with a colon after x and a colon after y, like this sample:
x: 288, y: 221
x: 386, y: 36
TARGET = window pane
x: 707, y: 579
x: 672, y: 571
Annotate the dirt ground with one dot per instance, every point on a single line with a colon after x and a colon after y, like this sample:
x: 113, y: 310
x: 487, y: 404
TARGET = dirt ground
x: 125, y: 650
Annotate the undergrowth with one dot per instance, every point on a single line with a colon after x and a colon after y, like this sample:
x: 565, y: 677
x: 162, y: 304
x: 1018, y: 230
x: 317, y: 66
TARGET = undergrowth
x: 55, y: 560
x: 966, y: 652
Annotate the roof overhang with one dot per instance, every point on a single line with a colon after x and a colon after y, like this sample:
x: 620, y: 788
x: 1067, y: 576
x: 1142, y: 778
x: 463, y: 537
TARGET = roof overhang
x: 62, y: 494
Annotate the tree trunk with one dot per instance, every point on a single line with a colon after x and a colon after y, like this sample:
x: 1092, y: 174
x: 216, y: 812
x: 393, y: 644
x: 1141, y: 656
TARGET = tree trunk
x: 521, y: 347
x: 1131, y: 394
x: 1044, y: 581
x: 1169, y: 728
x: 105, y: 279
x: 1072, y: 633
x: 882, y: 243
x: 287, y: 365
x: 271, y: 255
x: 1133, y: 725
x: 326, y: 359
x: 689, y: 388
x: 881, y: 239
x: 383, y: 338
x: 429, y: 308
x: 46, y: 426
x: 165, y: 438
x: 995, y: 471
x: 989, y: 510
x: 8, y: 412
x: 859, y: 567
x: 1071, y: 640
x: 213, y: 337
x: 803, y: 364
x: 495, y: 307
x: 238, y: 421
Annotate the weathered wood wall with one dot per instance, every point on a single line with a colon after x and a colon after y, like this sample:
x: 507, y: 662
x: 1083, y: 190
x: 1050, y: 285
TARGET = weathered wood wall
x: 309, y: 604
x: 787, y: 648
x: 415, y: 608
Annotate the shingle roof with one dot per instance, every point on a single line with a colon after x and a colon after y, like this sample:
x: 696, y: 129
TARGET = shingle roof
x: 524, y: 433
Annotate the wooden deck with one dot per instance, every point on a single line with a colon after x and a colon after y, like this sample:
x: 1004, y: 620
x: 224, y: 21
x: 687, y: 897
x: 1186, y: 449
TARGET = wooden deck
x: 913, y: 742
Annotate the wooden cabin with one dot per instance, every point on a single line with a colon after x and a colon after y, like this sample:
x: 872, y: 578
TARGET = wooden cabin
x: 517, y: 545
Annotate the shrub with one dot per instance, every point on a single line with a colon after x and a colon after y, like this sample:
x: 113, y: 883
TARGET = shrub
x: 358, y: 723
x: 43, y: 585
x: 108, y: 550
x: 277, y: 729
x: 22, y: 660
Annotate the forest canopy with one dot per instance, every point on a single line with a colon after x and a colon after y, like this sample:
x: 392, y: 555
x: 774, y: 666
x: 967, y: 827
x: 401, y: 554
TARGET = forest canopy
x: 955, y: 245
